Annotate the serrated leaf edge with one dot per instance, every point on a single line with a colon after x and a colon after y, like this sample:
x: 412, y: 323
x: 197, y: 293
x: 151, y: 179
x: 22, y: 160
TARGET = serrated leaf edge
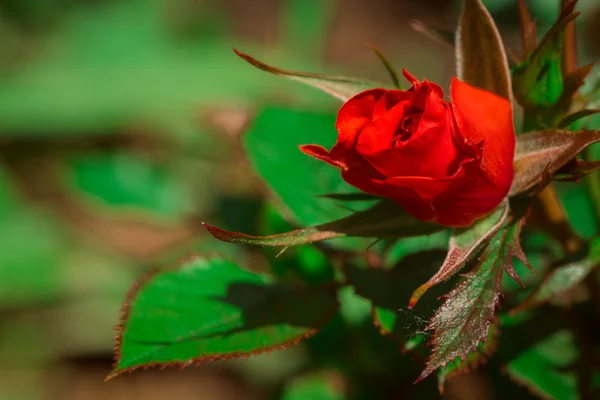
x: 125, y: 313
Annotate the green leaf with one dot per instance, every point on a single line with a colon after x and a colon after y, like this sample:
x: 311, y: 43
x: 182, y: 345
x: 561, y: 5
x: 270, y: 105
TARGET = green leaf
x: 212, y: 309
x: 480, y: 55
x: 129, y: 182
x: 340, y: 87
x: 465, y: 243
x: 545, y: 152
x: 561, y: 280
x: 570, y: 119
x: 297, y: 181
x: 545, y: 367
x: 384, y: 220
x: 413, y: 245
x: 468, y: 311
x: 539, y: 82
x: 316, y: 386
x: 580, y: 207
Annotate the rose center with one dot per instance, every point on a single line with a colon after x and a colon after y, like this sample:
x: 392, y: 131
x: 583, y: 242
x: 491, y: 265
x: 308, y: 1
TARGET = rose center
x: 405, y: 129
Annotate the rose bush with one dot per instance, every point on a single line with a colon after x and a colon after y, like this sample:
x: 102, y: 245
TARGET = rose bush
x: 447, y: 162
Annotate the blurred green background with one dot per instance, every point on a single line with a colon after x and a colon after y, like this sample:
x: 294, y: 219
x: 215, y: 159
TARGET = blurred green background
x: 119, y: 133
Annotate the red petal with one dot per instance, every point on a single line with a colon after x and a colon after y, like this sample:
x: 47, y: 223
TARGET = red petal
x: 354, y: 115
x: 321, y: 153
x: 483, y: 116
x: 410, y: 77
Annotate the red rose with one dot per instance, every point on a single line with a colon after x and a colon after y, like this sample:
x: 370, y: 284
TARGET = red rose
x: 447, y: 162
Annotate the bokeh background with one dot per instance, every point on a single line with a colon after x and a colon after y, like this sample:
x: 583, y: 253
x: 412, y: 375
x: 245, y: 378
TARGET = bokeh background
x: 119, y: 126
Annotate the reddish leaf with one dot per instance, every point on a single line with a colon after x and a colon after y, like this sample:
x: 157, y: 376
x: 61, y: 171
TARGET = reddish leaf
x: 546, y: 152
x: 438, y: 35
x: 528, y: 29
x: 464, y: 244
x: 473, y: 361
x: 384, y: 219
x: 576, y: 169
x: 573, y: 81
x: 340, y: 87
x: 480, y: 55
x: 463, y: 321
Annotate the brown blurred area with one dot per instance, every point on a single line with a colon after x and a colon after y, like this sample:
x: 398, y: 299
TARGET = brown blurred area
x: 62, y: 348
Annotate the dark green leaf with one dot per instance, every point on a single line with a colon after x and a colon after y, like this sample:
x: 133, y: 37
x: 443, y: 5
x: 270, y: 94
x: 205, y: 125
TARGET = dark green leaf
x: 389, y: 291
x: 340, y: 87
x: 562, y: 279
x: 480, y: 55
x: 384, y: 220
x: 581, y: 210
x: 545, y: 152
x: 570, y: 119
x: 464, y: 244
x: 317, y: 386
x: 212, y: 309
x: 464, y: 319
x: 544, y: 368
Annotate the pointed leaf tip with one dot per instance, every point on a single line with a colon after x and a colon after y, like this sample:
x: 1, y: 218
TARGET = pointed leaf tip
x: 387, y: 64
x: 384, y: 219
x: 340, y: 87
x: 546, y: 152
x: 477, y: 35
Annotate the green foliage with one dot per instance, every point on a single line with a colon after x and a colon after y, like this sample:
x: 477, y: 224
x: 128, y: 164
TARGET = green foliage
x: 120, y: 61
x: 539, y: 81
x: 213, y: 309
x: 297, y: 181
x: 546, y: 367
x: 129, y: 181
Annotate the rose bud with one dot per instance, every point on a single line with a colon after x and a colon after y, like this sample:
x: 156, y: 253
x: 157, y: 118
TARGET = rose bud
x: 446, y: 162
